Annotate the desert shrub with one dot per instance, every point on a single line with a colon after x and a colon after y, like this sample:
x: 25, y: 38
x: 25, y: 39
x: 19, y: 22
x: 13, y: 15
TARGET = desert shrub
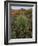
x: 20, y: 27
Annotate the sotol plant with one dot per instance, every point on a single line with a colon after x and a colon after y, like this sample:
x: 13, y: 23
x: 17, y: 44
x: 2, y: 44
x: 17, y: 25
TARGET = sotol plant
x: 21, y: 27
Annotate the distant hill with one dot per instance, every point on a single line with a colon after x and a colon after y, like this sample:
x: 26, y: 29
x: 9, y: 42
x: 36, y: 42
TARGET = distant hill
x: 21, y: 12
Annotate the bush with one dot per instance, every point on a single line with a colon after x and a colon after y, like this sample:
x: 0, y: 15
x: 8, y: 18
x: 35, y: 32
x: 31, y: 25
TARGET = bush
x: 20, y: 27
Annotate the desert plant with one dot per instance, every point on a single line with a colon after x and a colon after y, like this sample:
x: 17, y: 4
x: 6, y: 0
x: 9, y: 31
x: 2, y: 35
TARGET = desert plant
x: 20, y: 27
